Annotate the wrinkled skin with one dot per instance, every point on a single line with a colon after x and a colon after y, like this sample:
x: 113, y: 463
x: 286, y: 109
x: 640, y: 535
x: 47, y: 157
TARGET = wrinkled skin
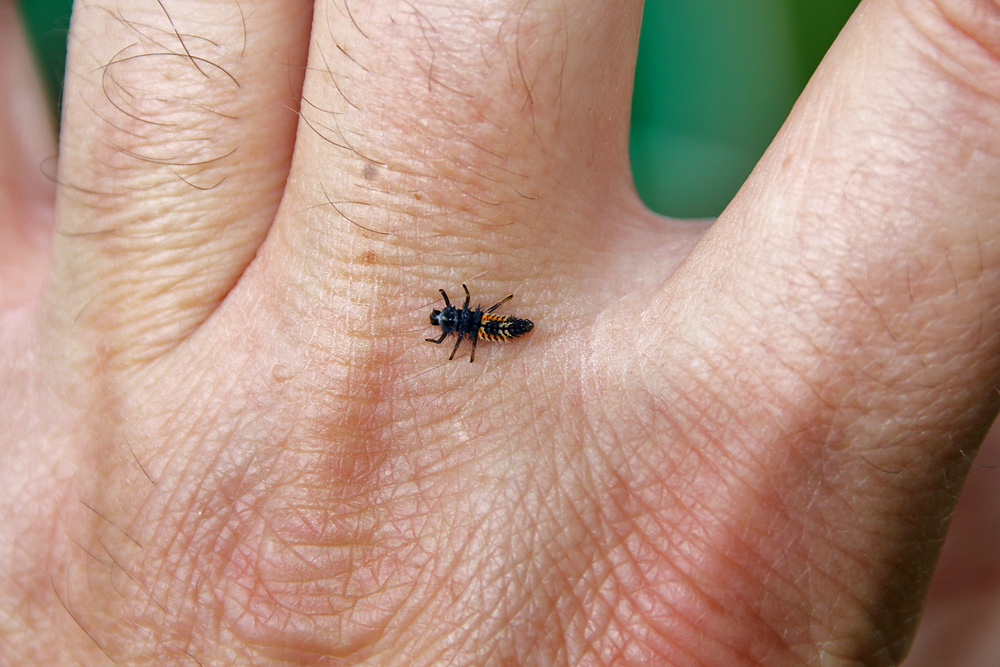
x: 225, y: 440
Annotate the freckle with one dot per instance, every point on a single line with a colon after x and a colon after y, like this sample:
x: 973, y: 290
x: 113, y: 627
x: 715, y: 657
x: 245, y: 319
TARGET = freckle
x: 280, y: 373
x: 369, y: 257
x: 370, y: 172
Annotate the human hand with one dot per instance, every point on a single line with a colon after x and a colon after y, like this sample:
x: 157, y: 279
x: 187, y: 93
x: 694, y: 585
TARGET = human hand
x: 226, y: 440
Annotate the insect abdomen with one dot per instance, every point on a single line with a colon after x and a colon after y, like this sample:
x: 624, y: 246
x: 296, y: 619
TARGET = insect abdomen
x: 503, y: 327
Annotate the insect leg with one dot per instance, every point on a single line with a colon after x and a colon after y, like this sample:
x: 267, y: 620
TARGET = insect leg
x: 473, y: 356
x: 455, y: 349
x: 446, y: 302
x: 438, y: 340
x: 500, y: 303
x: 467, y: 297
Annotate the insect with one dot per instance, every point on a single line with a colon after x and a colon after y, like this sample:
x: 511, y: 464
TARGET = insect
x: 474, y: 324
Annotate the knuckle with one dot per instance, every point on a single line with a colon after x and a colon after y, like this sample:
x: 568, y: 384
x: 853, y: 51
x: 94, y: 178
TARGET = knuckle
x: 965, y: 33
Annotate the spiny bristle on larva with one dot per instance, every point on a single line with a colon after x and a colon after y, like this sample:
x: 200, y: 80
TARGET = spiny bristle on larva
x: 503, y: 327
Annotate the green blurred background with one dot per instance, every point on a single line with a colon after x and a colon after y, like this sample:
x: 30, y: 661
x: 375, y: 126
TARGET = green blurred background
x: 715, y: 80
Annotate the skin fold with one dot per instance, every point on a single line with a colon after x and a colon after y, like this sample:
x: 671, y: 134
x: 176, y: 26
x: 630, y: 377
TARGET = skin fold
x: 738, y: 442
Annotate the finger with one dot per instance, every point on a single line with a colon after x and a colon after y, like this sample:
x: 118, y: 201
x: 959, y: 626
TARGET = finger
x: 176, y: 139
x: 438, y: 138
x: 847, y: 303
x: 26, y: 196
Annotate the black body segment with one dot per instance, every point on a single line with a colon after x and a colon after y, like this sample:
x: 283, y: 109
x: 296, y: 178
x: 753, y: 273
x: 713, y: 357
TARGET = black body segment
x: 503, y: 327
x: 476, y: 323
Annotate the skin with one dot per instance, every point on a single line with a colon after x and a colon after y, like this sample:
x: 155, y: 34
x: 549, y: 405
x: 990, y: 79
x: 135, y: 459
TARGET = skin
x: 225, y: 440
